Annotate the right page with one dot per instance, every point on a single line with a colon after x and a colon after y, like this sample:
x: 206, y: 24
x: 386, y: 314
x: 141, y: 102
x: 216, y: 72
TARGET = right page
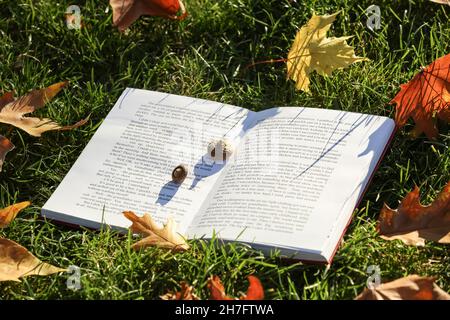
x: 295, y: 180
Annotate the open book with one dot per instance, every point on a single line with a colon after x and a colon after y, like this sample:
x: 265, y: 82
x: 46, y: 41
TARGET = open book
x: 292, y: 182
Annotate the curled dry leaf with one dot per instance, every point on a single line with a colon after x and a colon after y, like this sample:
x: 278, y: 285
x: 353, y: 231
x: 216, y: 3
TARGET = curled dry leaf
x: 125, y: 12
x: 166, y: 237
x: 414, y: 223
x: 9, y: 213
x: 5, y: 147
x: 186, y: 293
x: 12, y: 110
x: 312, y: 50
x: 17, y: 262
x: 425, y: 98
x: 411, y: 287
x: 255, y: 289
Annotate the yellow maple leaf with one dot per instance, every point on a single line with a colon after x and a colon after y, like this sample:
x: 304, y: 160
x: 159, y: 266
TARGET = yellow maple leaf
x: 312, y: 50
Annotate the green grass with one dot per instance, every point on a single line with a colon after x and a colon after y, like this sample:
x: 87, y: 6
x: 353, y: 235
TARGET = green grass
x: 204, y: 56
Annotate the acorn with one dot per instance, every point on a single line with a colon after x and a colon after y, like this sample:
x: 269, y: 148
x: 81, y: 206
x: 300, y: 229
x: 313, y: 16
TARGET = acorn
x: 179, y: 173
x: 216, y: 146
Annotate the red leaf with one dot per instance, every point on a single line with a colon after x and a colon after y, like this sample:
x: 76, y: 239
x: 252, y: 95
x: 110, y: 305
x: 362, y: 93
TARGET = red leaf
x: 5, y: 147
x: 217, y: 290
x: 125, y: 12
x: 425, y: 98
x: 255, y: 290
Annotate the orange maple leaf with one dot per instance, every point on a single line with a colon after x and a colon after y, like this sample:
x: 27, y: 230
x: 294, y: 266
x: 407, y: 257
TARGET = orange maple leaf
x: 414, y: 223
x: 125, y: 12
x: 425, y: 98
x: 255, y: 290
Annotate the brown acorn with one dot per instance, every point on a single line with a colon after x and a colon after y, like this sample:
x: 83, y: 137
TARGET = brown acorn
x: 179, y: 173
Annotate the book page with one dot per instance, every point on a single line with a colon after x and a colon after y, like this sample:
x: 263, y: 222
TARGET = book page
x: 127, y: 165
x: 295, y: 174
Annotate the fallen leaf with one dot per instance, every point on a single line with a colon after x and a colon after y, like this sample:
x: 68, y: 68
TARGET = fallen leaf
x: 166, y: 237
x: 217, y: 289
x: 12, y: 110
x: 5, y: 147
x: 425, y: 98
x: 125, y: 12
x: 17, y: 262
x: 186, y: 293
x: 414, y: 223
x: 9, y: 213
x: 312, y: 50
x: 411, y: 287
x: 255, y: 290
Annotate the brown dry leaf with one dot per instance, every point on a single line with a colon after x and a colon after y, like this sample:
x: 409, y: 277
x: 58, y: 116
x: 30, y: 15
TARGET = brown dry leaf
x: 5, y: 147
x: 17, y: 262
x: 166, y: 237
x: 125, y: 12
x: 12, y: 110
x: 414, y: 223
x: 9, y: 213
x: 312, y: 50
x: 425, y: 98
x: 255, y: 289
x: 186, y: 293
x: 411, y: 287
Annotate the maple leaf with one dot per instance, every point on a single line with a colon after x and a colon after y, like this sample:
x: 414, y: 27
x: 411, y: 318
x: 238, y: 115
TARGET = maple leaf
x: 166, y: 237
x: 125, y: 12
x: 12, y: 110
x: 9, y: 213
x: 5, y: 147
x: 412, y: 287
x: 17, y: 262
x: 312, y: 50
x: 255, y: 289
x: 414, y: 223
x: 425, y: 98
x: 186, y: 293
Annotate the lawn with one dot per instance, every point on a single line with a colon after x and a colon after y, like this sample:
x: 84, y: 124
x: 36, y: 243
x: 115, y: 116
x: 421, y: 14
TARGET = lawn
x: 205, y: 56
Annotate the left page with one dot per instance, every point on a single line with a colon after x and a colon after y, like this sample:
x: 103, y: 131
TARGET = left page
x: 127, y: 165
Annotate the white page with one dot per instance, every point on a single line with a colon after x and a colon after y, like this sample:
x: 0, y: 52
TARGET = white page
x: 127, y: 164
x: 296, y: 173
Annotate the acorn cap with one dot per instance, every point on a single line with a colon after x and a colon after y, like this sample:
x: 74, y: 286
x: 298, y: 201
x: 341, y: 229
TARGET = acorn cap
x: 179, y: 173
